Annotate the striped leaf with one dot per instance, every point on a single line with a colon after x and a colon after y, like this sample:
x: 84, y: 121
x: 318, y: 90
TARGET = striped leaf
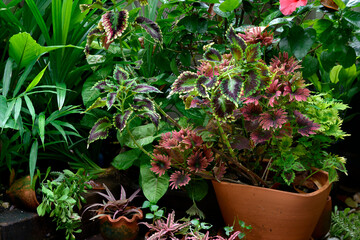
x: 184, y: 83
x: 150, y: 27
x: 212, y: 55
x: 120, y: 120
x: 231, y: 88
x: 100, y: 130
x: 234, y: 39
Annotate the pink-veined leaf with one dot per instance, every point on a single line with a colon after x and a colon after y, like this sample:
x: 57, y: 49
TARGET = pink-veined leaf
x: 100, y: 130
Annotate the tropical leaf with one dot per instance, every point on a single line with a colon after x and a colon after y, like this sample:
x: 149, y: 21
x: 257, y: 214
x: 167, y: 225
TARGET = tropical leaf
x: 102, y: 85
x: 264, y: 74
x: 231, y: 88
x: 212, y: 55
x: 120, y: 74
x: 100, y: 130
x: 120, y: 120
x: 150, y: 27
x: 201, y: 86
x: 144, y: 88
x: 114, y: 24
x: 153, y: 186
x: 253, y: 53
x: 222, y: 107
x: 234, y: 39
x: 184, y: 83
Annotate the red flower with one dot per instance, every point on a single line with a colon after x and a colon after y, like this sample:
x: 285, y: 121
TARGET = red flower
x: 197, y: 162
x: 255, y: 35
x: 287, y: 7
x: 178, y: 179
x: 160, y: 164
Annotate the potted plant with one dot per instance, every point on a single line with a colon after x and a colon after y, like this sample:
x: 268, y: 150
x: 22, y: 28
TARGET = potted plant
x: 118, y: 220
x: 265, y: 128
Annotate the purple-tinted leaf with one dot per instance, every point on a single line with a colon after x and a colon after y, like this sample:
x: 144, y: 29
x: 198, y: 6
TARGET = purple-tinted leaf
x: 237, y: 52
x: 144, y: 88
x: 251, y: 84
x: 92, y: 35
x: 120, y: 120
x: 184, y: 83
x: 100, y: 130
x: 235, y: 39
x: 120, y: 74
x: 114, y: 24
x: 241, y: 143
x: 150, y: 27
x: 201, y: 86
x: 110, y: 99
x: 103, y: 85
x: 231, y: 88
x: 100, y: 102
x: 212, y: 55
x: 253, y: 53
x: 152, y: 115
x: 264, y: 74
x: 141, y: 103
x: 222, y: 107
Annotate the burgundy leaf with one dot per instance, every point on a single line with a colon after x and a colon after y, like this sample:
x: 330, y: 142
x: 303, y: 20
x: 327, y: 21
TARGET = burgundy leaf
x: 237, y: 52
x: 144, y: 88
x: 253, y: 53
x: 185, y: 83
x: 251, y: 84
x: 114, y: 24
x: 260, y: 136
x: 222, y: 107
x: 212, y: 55
x: 120, y: 120
x: 235, y: 39
x: 231, y: 88
x: 100, y: 130
x: 306, y: 126
x: 241, y: 143
x: 203, y: 84
x: 150, y: 27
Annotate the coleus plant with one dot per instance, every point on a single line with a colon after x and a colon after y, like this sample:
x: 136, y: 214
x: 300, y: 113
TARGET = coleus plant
x: 263, y: 114
x: 129, y: 98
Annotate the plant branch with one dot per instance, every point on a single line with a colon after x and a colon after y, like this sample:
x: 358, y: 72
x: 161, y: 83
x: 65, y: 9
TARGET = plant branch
x: 167, y: 116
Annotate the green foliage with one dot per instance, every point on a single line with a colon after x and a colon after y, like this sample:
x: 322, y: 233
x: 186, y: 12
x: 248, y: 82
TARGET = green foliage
x: 60, y: 197
x: 153, y: 186
x: 345, y: 224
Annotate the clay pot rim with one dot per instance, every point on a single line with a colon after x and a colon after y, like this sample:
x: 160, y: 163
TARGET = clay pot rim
x: 302, y: 195
x: 134, y: 217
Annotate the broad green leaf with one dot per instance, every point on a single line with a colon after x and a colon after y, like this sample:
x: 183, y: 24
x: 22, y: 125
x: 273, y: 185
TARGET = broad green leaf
x: 334, y: 73
x: 353, y: 3
x: 41, y: 125
x: 144, y: 135
x: 126, y: 159
x: 229, y: 5
x: 7, y: 77
x: 340, y: 4
x: 36, y: 80
x: 30, y: 107
x: 153, y: 186
x: 61, y: 94
x: 353, y: 18
x: 197, y: 189
x: 328, y: 60
x: 301, y: 40
x: 310, y: 66
x: 33, y: 158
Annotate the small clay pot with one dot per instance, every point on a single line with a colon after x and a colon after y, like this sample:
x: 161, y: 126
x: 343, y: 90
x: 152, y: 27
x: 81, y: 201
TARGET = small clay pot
x: 121, y: 228
x: 23, y: 195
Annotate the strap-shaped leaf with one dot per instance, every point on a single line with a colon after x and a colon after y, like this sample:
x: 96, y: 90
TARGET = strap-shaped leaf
x: 100, y: 130
x: 253, y: 53
x: 120, y: 120
x: 154, y: 117
x: 237, y: 52
x: 234, y: 39
x: 184, y: 83
x: 212, y: 55
x: 150, y: 27
x: 114, y: 24
x: 251, y: 84
x: 144, y: 88
x: 231, y: 87
x: 142, y: 103
x: 120, y: 74
x: 222, y: 107
x: 110, y: 99
x: 100, y: 102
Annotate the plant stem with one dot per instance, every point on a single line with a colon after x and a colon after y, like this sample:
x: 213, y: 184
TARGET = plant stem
x: 137, y: 144
x: 225, y: 140
x: 167, y: 116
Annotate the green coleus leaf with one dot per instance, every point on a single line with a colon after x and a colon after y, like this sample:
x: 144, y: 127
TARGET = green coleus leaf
x: 288, y: 177
x: 120, y: 75
x: 100, y: 102
x: 184, y: 83
x: 100, y: 130
x: 120, y: 120
x: 203, y: 84
x: 264, y: 74
x: 222, y: 107
x: 114, y: 24
x: 253, y: 53
x: 213, y: 55
x: 234, y: 39
x: 231, y: 88
x: 150, y: 27
x: 297, y: 166
x: 144, y: 88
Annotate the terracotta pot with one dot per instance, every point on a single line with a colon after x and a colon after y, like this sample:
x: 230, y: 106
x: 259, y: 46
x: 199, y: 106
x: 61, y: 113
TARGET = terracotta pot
x: 324, y: 223
x: 120, y: 228
x: 273, y: 214
x: 22, y: 195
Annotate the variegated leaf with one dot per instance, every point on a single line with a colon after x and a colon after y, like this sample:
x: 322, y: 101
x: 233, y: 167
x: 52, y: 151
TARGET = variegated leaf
x: 142, y: 103
x: 222, y: 107
x: 184, y: 83
x: 120, y: 75
x: 154, y: 117
x: 234, y: 39
x: 100, y: 102
x: 104, y: 85
x: 212, y: 55
x: 253, y: 53
x: 237, y: 52
x: 231, y: 88
x: 92, y: 35
x: 144, y: 88
x: 114, y: 24
x: 264, y: 74
x: 251, y: 84
x: 150, y: 27
x: 100, y: 130
x: 201, y: 86
x: 110, y: 99
x: 120, y: 120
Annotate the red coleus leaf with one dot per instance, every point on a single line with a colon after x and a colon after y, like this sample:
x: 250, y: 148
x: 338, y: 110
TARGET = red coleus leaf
x: 306, y: 126
x: 114, y: 24
x: 273, y: 119
x: 178, y: 179
x: 100, y: 130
